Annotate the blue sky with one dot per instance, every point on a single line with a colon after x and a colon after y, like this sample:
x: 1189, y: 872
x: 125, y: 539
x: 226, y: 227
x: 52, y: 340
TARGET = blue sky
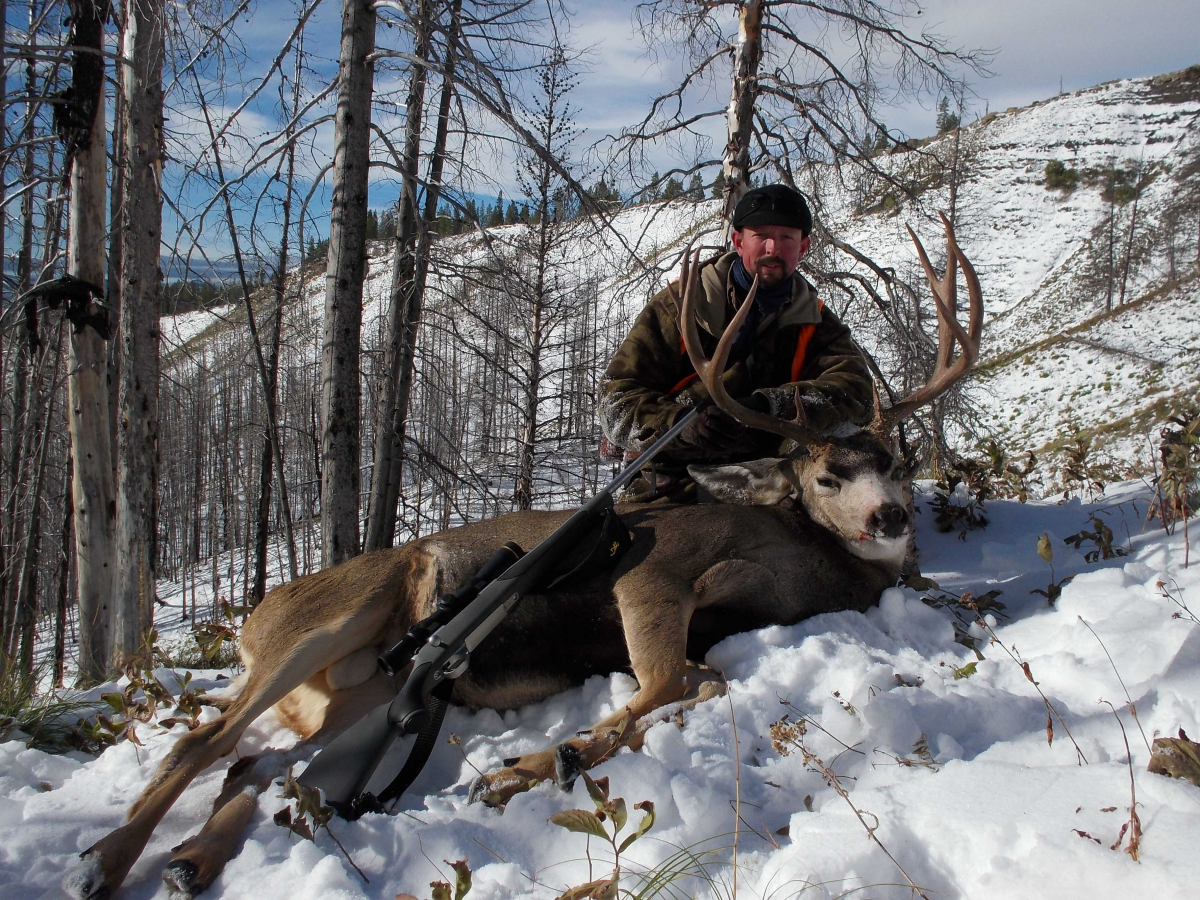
x: 1039, y: 45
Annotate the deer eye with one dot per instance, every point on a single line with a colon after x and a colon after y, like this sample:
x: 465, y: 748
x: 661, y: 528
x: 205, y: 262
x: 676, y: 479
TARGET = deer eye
x: 829, y: 483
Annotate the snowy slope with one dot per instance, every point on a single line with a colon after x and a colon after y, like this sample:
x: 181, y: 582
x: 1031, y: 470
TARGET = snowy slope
x: 993, y: 811
x: 1053, y: 361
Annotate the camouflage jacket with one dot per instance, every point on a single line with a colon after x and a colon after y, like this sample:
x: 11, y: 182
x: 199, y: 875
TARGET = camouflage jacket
x: 637, y: 403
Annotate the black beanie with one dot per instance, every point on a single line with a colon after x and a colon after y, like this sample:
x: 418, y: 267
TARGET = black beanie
x: 775, y: 204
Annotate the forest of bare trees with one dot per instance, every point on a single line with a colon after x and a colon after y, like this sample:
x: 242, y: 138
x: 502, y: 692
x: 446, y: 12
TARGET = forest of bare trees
x: 181, y: 158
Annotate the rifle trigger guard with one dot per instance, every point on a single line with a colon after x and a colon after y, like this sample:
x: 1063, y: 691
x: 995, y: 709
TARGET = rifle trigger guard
x: 457, y: 664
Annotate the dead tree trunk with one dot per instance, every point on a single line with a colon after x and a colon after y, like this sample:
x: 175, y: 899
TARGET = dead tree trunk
x: 381, y: 521
x: 87, y: 382
x: 740, y: 117
x: 390, y: 435
x: 345, y: 269
x: 138, y: 333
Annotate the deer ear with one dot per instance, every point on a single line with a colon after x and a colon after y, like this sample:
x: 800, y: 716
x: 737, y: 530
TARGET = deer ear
x: 760, y: 482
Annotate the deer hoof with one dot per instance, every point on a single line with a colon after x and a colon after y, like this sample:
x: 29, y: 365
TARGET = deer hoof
x: 86, y: 880
x: 568, y: 763
x: 182, y: 879
x: 497, y: 788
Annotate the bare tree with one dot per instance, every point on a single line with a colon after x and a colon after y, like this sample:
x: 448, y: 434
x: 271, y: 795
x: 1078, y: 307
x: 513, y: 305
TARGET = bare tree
x: 138, y: 330
x: 82, y: 126
x: 807, y: 81
x: 345, y: 269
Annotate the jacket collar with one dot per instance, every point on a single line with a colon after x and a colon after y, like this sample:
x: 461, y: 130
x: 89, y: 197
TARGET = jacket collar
x: 717, y: 303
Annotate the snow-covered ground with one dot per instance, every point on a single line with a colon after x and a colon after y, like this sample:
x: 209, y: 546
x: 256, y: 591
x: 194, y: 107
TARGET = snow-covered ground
x: 990, y: 810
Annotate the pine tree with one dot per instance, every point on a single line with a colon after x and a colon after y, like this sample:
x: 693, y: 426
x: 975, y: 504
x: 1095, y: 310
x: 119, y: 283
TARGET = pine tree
x: 946, y: 120
x: 673, y: 190
x: 718, y: 188
x: 695, y: 189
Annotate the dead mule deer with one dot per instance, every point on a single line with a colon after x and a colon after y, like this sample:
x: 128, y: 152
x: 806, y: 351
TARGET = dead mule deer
x: 824, y: 529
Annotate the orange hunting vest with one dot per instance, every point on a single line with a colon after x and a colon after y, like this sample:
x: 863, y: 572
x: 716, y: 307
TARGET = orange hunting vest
x: 806, y: 333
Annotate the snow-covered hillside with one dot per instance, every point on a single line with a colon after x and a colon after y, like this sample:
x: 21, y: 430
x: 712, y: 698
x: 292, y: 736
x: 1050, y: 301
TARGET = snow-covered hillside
x: 1054, y: 360
x: 945, y: 755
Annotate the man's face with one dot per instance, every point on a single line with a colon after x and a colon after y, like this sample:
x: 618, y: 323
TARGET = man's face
x: 771, y: 252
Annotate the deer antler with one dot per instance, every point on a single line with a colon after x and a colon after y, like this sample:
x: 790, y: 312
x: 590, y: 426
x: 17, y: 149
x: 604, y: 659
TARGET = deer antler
x: 950, y: 332
x: 711, y: 371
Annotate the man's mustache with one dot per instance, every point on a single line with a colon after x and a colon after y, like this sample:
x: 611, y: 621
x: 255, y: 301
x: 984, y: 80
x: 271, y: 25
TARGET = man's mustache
x: 767, y: 261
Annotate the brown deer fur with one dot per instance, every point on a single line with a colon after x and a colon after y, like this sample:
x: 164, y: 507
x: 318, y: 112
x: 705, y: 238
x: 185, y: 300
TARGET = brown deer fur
x: 821, y: 530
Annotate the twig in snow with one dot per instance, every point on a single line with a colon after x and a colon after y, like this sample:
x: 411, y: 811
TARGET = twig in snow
x: 969, y: 600
x: 1134, y: 825
x: 793, y: 733
x: 1129, y: 700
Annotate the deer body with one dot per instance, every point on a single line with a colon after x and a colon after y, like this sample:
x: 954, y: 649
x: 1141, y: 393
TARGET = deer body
x: 824, y: 529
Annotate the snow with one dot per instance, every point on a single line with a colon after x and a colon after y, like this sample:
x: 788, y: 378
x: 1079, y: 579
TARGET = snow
x: 999, y: 816
x: 1002, y: 813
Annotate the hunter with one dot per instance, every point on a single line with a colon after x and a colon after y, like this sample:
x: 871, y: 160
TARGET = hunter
x: 790, y: 342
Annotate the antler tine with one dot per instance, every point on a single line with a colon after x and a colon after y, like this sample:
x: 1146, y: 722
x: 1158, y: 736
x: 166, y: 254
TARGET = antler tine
x: 711, y: 372
x: 950, y: 331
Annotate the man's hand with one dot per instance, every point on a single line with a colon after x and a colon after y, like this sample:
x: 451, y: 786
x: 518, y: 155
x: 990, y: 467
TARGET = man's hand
x: 714, y: 434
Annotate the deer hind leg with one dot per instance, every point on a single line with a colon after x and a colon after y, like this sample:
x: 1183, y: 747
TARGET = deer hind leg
x: 337, y: 702
x: 105, y: 864
x: 198, y: 860
x: 656, y: 635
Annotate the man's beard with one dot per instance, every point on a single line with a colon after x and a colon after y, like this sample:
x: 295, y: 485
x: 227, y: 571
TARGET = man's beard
x: 772, y: 278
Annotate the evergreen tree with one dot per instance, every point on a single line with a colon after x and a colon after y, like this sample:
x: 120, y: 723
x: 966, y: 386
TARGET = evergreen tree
x: 718, y: 188
x: 496, y: 216
x: 511, y: 216
x: 946, y: 120
x: 695, y: 189
x: 673, y: 189
x: 882, y: 141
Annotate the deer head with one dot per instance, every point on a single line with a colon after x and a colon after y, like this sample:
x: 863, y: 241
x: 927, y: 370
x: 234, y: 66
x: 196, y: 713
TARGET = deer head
x: 856, y: 486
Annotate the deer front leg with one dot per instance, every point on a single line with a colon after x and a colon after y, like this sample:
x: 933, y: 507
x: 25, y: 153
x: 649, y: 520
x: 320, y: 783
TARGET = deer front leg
x: 656, y: 635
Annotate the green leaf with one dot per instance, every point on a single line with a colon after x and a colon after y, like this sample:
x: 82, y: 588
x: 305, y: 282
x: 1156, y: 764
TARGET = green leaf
x: 441, y: 890
x: 116, y: 701
x: 616, y: 809
x: 1045, y: 550
x: 597, y: 789
x: 580, y: 821
x: 462, y: 878
x: 645, y: 825
x: 965, y: 672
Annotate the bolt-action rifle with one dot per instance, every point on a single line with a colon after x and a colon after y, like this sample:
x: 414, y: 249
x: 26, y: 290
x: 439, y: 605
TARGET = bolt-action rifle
x: 379, y: 756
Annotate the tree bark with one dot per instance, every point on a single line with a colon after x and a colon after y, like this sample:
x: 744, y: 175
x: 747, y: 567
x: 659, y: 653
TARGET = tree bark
x: 345, y: 270
x: 381, y: 521
x: 740, y: 117
x: 138, y: 331
x: 408, y: 295
x: 87, y: 382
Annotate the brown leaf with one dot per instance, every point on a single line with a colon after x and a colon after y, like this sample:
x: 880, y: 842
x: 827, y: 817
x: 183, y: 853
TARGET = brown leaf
x: 1050, y: 730
x: 1084, y: 834
x: 785, y: 831
x: 1028, y: 673
x: 1109, y: 809
x: 603, y: 889
x: 808, y: 802
x: 1176, y: 758
x: 1120, y: 836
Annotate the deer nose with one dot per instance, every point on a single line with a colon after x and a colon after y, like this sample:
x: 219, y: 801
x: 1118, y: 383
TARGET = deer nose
x: 891, y: 519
